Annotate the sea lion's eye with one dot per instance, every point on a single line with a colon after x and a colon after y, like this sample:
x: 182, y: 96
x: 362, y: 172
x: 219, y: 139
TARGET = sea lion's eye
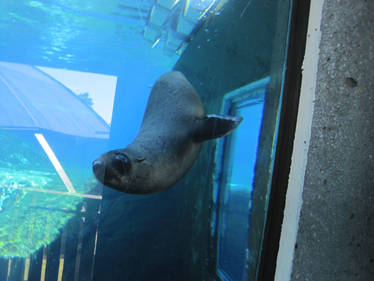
x: 121, y: 163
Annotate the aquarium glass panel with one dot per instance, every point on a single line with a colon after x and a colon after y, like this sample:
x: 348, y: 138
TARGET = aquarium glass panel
x: 75, y: 80
x: 55, y: 121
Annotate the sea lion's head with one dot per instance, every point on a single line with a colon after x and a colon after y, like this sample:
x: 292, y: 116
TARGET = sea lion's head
x: 113, y: 169
x: 123, y: 170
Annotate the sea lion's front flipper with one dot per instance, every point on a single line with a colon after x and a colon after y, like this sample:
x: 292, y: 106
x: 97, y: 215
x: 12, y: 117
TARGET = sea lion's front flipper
x: 215, y: 126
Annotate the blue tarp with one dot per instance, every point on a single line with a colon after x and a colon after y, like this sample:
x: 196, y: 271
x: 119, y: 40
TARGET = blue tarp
x: 30, y: 99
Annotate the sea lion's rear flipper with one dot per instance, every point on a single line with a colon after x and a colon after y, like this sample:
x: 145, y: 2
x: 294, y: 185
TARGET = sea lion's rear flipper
x: 215, y: 126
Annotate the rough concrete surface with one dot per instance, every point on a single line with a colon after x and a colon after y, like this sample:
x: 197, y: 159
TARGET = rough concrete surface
x: 336, y: 232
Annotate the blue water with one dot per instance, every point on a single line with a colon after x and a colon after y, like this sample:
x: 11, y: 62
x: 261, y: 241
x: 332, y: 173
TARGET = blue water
x: 93, y: 36
x: 78, y: 36
x: 48, y: 232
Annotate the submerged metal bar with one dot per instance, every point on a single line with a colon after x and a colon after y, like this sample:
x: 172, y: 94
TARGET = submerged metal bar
x: 79, y: 246
x: 9, y: 268
x: 62, y: 255
x: 48, y: 150
x: 95, y: 244
x: 90, y: 196
x: 27, y: 269
x: 44, y: 264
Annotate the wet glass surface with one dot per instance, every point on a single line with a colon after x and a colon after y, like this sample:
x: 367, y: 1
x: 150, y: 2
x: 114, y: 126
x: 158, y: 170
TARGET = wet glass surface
x: 75, y: 77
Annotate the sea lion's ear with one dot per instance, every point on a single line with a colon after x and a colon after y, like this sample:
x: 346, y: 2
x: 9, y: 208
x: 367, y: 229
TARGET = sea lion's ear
x: 215, y: 126
x: 134, y: 155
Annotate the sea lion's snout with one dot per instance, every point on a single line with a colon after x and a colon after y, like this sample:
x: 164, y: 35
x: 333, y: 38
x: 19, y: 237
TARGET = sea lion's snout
x: 111, y: 168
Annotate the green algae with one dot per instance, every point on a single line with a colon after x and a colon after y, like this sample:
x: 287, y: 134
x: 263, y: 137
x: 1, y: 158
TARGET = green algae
x: 29, y: 216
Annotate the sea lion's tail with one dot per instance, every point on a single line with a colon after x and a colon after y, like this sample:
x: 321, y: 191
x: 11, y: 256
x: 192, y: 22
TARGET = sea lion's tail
x: 215, y: 126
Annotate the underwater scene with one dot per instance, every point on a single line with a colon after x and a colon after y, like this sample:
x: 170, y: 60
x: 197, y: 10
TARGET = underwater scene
x: 137, y: 137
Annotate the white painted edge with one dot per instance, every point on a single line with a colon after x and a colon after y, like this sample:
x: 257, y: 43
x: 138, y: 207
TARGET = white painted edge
x: 56, y: 164
x: 301, y: 145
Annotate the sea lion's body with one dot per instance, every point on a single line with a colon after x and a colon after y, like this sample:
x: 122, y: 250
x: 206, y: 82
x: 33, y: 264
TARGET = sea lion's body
x: 169, y: 140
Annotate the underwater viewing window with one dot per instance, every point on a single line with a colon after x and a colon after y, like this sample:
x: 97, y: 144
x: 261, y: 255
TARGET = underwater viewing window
x: 235, y: 172
x: 75, y: 78
x: 47, y: 147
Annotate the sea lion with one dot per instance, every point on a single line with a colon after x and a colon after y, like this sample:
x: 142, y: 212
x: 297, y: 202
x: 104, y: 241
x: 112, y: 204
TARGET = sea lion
x: 173, y: 129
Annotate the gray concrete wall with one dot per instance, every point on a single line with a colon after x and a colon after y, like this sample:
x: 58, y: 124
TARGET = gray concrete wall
x: 335, y: 240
